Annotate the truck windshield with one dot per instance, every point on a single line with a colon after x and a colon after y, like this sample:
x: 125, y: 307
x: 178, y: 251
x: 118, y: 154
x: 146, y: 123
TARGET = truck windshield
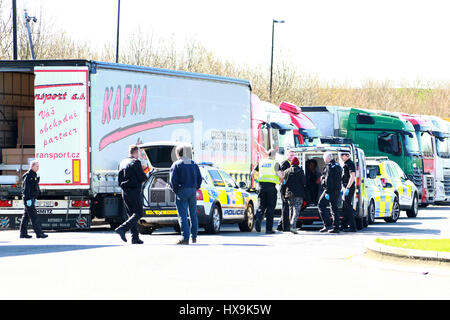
x: 425, y: 143
x: 411, y: 144
x: 442, y: 147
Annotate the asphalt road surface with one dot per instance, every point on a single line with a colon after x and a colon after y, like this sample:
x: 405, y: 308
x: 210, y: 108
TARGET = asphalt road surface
x: 96, y: 264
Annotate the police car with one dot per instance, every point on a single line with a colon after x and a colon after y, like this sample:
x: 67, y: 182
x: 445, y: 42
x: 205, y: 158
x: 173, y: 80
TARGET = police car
x: 220, y: 200
x: 379, y: 195
x: 404, y: 189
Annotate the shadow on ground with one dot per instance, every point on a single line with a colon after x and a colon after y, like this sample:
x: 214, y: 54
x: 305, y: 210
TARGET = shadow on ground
x: 21, y: 250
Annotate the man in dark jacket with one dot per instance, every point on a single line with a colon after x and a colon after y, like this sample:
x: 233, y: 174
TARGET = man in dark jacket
x: 284, y: 223
x: 348, y: 182
x: 131, y: 176
x: 294, y: 179
x: 331, y: 182
x: 30, y: 191
x: 185, y: 180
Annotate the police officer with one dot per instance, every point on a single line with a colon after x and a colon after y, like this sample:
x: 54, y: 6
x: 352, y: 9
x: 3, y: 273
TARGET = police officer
x: 131, y: 176
x: 269, y: 175
x: 284, y: 224
x: 30, y: 191
x: 331, y: 183
x: 348, y: 182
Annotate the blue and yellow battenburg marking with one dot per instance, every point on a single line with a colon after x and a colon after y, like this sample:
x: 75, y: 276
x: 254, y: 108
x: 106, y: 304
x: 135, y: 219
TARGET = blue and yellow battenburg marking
x: 383, y: 205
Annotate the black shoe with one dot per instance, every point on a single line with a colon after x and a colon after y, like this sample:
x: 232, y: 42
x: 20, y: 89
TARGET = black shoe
x: 324, y: 229
x: 194, y: 240
x: 42, y: 235
x: 258, y: 225
x: 270, y: 232
x: 25, y: 236
x: 349, y: 230
x: 121, y: 234
x: 137, y: 241
x: 182, y: 241
x: 334, y: 230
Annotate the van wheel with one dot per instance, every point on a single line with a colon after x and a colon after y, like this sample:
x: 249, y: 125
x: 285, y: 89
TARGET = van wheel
x: 145, y: 230
x: 177, y: 229
x: 414, y: 210
x: 359, y: 223
x: 249, y: 220
x: 395, y: 212
x: 371, y: 212
x: 215, y: 221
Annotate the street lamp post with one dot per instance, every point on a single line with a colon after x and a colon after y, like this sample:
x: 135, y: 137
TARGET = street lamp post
x: 271, y: 57
x: 117, y: 40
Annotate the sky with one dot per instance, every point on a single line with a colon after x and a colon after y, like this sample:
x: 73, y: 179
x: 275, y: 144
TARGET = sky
x: 345, y: 41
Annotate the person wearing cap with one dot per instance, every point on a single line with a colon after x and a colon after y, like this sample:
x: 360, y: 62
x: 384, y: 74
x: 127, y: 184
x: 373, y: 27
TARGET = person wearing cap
x: 269, y: 175
x: 348, y: 184
x: 294, y: 180
x: 331, y: 183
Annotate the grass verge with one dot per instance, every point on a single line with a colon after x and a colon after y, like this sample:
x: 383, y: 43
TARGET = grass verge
x: 442, y: 245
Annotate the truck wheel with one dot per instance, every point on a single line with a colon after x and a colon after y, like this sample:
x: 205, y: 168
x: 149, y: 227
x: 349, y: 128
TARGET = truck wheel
x: 249, y: 220
x: 215, y: 221
x: 395, y: 212
x: 371, y: 212
x: 145, y: 230
x: 414, y: 210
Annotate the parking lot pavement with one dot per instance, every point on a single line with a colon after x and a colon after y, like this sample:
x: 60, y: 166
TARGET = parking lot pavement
x: 96, y: 264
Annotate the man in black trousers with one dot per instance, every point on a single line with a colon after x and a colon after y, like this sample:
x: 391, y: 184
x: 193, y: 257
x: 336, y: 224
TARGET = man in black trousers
x: 348, y: 182
x: 30, y: 191
x: 331, y: 182
x: 131, y: 176
x: 284, y: 224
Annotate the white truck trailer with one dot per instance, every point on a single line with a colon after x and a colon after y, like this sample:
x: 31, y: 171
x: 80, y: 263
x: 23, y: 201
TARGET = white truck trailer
x: 85, y: 115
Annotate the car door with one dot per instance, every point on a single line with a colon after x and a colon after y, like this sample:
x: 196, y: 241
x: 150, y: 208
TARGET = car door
x: 236, y: 203
x: 397, y: 182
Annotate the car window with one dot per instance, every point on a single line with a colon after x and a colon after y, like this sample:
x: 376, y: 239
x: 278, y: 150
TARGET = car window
x: 398, y: 169
x: 229, y: 181
x: 391, y: 170
x: 216, y: 178
x: 160, y: 182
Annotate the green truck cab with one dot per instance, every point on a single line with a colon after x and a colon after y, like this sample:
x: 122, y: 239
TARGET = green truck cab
x: 377, y: 134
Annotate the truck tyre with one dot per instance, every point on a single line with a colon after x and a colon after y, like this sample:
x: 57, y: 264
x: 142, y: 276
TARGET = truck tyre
x: 249, y: 220
x: 395, y: 212
x: 145, y: 230
x: 371, y: 212
x: 414, y: 210
x: 215, y: 221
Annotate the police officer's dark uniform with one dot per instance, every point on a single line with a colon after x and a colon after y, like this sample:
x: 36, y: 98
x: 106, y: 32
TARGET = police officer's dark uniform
x: 30, y: 191
x: 349, y: 218
x: 131, y: 176
x: 284, y: 224
x: 331, y: 183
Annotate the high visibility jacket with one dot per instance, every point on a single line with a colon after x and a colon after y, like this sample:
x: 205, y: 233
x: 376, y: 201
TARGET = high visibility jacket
x: 267, y: 171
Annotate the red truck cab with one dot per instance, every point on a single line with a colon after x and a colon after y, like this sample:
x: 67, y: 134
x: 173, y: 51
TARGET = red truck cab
x: 306, y: 133
x: 424, y: 134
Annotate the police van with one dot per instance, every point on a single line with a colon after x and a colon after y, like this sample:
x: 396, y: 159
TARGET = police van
x: 220, y: 200
x: 405, y: 190
x: 335, y: 145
